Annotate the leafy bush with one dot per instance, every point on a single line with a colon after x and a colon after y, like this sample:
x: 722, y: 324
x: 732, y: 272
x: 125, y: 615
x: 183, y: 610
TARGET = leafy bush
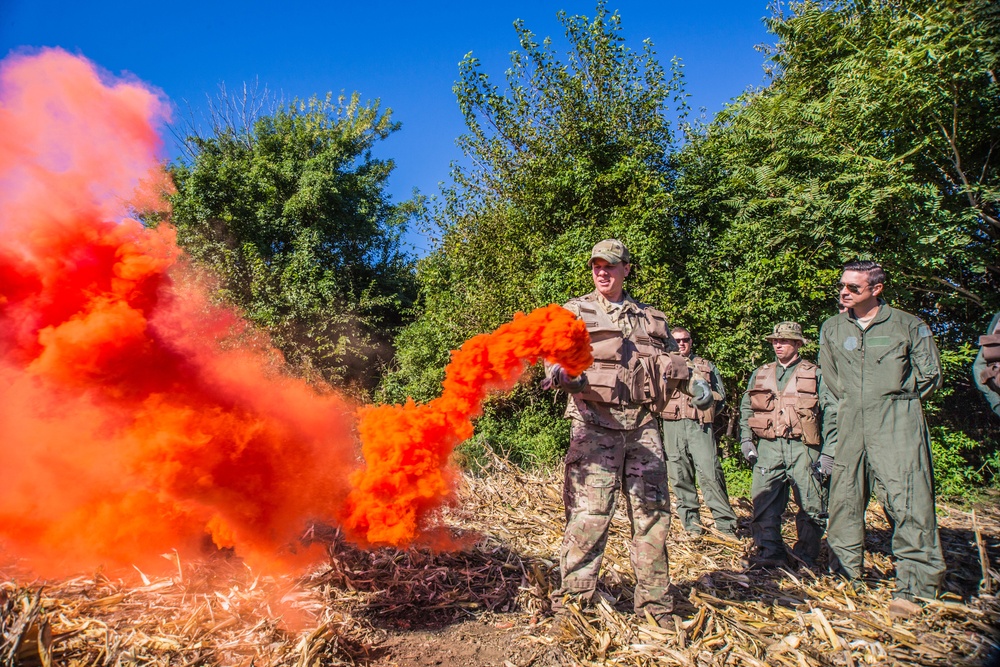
x: 738, y: 475
x: 954, y: 476
x: 528, y: 432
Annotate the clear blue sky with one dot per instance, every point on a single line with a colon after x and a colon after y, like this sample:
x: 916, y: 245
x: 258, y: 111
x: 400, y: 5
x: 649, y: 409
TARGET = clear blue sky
x: 405, y: 53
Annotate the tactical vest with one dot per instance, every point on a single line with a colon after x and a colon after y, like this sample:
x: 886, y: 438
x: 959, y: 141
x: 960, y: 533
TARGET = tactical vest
x: 625, y: 370
x: 678, y: 405
x: 991, y: 354
x: 792, y: 413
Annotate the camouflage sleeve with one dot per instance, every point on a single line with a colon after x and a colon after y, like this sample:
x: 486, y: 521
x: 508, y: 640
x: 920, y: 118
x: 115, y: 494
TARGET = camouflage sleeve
x: 978, y: 366
x: 745, y: 412
x: 925, y: 359
x: 572, y: 306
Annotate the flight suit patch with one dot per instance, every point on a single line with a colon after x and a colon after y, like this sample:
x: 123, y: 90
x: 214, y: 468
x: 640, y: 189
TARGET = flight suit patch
x: 851, y: 343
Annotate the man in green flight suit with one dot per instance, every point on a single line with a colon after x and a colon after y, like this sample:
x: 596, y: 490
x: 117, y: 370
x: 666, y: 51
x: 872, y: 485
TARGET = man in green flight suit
x: 689, y: 443
x: 781, y: 408
x: 878, y: 363
x: 986, y: 368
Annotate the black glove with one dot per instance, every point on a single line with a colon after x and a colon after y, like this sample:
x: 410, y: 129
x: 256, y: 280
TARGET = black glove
x: 749, y: 451
x: 822, y: 468
x: 558, y: 378
x: 701, y: 394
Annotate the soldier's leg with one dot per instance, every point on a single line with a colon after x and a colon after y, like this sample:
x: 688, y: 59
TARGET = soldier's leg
x: 680, y: 469
x: 876, y: 489
x: 907, y: 475
x: 705, y: 454
x: 810, y: 496
x: 845, y: 528
x: 769, y: 490
x: 593, y: 465
x: 645, y: 481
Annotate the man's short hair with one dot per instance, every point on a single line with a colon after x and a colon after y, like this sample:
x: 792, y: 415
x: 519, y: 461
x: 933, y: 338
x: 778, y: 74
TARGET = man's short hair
x: 679, y: 330
x: 876, y: 274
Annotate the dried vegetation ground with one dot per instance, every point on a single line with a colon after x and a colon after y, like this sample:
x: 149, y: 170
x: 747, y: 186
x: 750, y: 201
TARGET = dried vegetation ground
x: 487, y: 605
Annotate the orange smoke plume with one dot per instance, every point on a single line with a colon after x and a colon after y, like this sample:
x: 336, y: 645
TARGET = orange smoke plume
x: 138, y: 417
x: 407, y: 447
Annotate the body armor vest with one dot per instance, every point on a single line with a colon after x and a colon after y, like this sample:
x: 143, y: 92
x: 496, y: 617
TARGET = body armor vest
x: 678, y: 405
x: 991, y: 354
x: 792, y: 413
x: 627, y: 370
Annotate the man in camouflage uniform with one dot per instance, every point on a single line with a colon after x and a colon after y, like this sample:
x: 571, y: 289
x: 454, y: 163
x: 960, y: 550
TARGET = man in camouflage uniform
x: 781, y: 409
x: 614, y: 439
x: 689, y: 444
x: 878, y: 364
x: 986, y: 368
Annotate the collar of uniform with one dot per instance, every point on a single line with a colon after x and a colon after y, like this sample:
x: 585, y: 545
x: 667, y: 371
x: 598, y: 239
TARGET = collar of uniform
x: 627, y: 304
x: 882, y: 315
x: 791, y: 365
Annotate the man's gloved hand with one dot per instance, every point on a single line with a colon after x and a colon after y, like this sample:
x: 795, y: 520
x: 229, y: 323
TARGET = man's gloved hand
x: 822, y: 467
x: 701, y: 393
x: 560, y: 379
x: 825, y: 464
x: 749, y: 451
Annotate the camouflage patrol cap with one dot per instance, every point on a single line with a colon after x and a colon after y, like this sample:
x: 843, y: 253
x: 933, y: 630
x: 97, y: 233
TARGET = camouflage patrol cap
x: 612, y: 251
x: 787, y: 331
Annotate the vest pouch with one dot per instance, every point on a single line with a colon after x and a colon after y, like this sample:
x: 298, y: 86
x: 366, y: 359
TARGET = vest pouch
x: 991, y: 347
x: 602, y: 384
x: 606, y: 344
x: 807, y: 410
x: 641, y: 381
x: 707, y: 416
x: 672, y: 411
x: 991, y: 376
x: 761, y: 400
x: 762, y: 426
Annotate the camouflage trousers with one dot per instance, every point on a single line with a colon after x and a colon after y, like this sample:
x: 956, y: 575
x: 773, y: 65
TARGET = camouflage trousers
x: 599, y: 462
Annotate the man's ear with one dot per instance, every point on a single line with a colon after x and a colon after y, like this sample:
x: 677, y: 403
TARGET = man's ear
x: 877, y: 289
x: 628, y: 269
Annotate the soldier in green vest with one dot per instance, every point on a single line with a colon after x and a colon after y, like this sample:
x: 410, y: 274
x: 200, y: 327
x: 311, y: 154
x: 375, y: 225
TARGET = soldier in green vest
x: 986, y: 368
x: 781, y: 409
x: 878, y: 364
x: 689, y: 443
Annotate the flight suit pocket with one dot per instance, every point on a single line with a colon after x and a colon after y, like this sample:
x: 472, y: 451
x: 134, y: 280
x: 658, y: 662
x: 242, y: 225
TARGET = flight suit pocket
x: 600, y: 494
x: 807, y: 410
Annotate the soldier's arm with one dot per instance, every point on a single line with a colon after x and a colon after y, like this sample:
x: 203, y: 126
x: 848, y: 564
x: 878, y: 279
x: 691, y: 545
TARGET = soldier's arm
x: 828, y: 414
x: 717, y: 386
x: 745, y: 412
x: 828, y: 402
x: 573, y: 307
x: 925, y: 359
x: 978, y: 366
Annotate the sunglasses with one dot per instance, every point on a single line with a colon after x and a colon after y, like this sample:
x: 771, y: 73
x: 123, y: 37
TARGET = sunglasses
x: 683, y: 340
x: 853, y: 289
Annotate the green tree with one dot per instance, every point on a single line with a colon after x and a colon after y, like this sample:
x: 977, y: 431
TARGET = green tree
x: 568, y: 152
x: 876, y: 137
x: 289, y: 209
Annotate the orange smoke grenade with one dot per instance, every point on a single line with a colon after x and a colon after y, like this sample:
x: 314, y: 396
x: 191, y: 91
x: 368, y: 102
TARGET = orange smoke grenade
x: 406, y: 447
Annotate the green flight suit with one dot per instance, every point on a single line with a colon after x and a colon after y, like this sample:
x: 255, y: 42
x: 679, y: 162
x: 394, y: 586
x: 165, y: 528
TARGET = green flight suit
x: 783, y: 464
x: 979, y: 365
x: 877, y: 378
x: 690, y: 446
